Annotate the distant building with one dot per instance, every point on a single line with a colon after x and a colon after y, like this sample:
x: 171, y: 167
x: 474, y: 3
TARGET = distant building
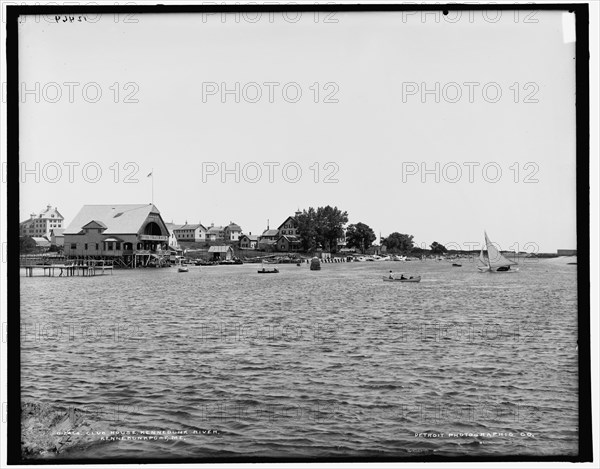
x: 566, y: 252
x: 215, y: 233
x: 40, y: 225
x: 116, y: 230
x: 42, y: 243
x: 33, y: 244
x: 287, y: 243
x: 248, y: 241
x: 375, y: 249
x: 267, y: 241
x: 221, y: 253
x: 289, y: 226
x: 269, y: 235
x: 57, y: 237
x: 232, y: 232
x: 188, y: 232
x: 172, y: 238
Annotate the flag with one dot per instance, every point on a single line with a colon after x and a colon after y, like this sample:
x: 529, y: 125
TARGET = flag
x: 149, y: 174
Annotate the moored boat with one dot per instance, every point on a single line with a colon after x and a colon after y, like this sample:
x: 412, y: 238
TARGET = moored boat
x: 415, y: 279
x: 315, y: 264
x: 231, y: 262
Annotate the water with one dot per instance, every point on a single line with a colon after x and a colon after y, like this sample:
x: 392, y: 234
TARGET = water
x: 334, y: 363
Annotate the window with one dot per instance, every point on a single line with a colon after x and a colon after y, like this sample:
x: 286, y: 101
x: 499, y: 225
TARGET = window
x: 96, y: 246
x: 110, y: 246
x: 85, y: 246
x: 118, y: 246
x: 73, y: 245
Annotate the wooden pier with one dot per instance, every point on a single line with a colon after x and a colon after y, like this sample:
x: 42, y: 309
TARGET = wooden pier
x: 87, y: 268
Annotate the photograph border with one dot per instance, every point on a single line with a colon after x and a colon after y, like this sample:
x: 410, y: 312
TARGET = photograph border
x: 581, y: 11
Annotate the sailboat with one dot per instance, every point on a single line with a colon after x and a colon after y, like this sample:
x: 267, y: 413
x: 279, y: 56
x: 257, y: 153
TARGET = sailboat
x: 494, y: 261
x: 265, y: 271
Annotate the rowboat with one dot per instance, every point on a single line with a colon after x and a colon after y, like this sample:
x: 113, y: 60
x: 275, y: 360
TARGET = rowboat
x: 416, y: 279
x: 265, y: 271
x: 182, y: 269
x: 456, y: 265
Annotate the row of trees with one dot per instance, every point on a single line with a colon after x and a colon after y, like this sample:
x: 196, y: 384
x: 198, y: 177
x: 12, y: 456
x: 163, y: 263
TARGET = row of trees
x: 324, y: 226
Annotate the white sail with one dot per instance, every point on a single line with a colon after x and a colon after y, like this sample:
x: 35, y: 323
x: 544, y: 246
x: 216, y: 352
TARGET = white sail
x: 495, y: 259
x: 482, y: 259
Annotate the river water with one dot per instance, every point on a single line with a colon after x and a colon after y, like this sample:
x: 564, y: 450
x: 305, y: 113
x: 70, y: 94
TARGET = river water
x: 302, y: 364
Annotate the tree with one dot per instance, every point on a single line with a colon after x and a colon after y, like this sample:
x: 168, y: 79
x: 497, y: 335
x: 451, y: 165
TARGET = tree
x: 306, y: 227
x: 398, y: 242
x: 360, y: 236
x: 437, y: 248
x: 321, y: 227
x: 330, y: 226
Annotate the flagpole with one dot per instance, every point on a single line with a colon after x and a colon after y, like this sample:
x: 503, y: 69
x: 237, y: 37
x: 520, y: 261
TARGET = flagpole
x: 152, y: 186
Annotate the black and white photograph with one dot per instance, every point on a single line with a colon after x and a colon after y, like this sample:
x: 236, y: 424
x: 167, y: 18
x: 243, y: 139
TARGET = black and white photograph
x: 300, y: 232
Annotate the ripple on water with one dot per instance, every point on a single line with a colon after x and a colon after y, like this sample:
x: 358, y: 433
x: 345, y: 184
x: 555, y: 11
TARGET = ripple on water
x: 305, y: 364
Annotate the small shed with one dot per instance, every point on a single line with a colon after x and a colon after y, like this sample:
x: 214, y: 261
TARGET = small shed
x: 41, y: 243
x: 220, y: 253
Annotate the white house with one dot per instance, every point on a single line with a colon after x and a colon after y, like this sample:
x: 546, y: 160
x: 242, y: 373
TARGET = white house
x: 40, y: 225
x: 172, y: 238
x: 190, y: 232
x: 232, y: 232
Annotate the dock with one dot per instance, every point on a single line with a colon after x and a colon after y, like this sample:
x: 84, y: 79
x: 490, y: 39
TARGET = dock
x: 54, y: 268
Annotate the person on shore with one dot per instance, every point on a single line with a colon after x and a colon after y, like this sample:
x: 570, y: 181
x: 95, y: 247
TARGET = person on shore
x: 391, y: 276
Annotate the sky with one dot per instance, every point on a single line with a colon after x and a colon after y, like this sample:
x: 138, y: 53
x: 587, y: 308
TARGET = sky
x: 436, y: 127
